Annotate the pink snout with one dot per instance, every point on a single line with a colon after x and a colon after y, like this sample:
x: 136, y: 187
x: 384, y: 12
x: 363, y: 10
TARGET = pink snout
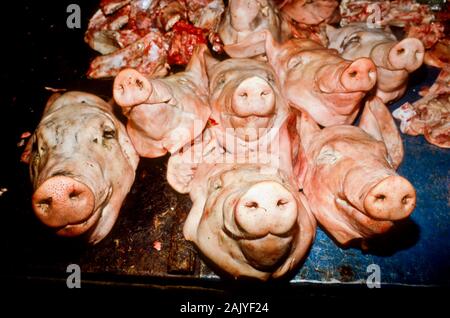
x: 266, y: 207
x: 131, y: 88
x: 61, y: 201
x: 408, y: 54
x: 254, y: 96
x: 361, y: 75
x: 393, y: 198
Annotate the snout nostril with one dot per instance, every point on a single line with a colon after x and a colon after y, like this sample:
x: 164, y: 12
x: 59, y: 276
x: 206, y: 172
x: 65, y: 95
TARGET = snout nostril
x: 400, y: 51
x: 74, y: 194
x: 251, y: 205
x: 380, y: 197
x: 281, y: 203
x: 44, y: 204
x: 46, y: 201
x: 353, y: 74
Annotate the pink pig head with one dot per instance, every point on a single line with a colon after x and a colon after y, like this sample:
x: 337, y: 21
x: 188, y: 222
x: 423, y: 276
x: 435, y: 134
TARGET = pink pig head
x: 394, y: 59
x: 349, y: 175
x: 318, y: 81
x: 164, y: 114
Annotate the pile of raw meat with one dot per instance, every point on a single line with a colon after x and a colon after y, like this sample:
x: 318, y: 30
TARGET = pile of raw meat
x: 261, y: 136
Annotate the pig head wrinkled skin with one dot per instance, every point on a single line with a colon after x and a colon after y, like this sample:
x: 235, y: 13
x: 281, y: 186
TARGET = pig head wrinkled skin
x: 279, y: 149
x: 164, y: 114
x: 318, y: 81
x: 312, y: 12
x: 241, y: 26
x: 245, y: 100
x: 78, y: 189
x: 249, y: 220
x: 394, y: 59
x: 349, y: 175
x: 248, y: 217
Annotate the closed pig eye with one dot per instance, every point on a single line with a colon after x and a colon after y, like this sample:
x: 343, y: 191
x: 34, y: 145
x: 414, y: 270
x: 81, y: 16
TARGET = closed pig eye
x: 295, y: 61
x: 356, y: 39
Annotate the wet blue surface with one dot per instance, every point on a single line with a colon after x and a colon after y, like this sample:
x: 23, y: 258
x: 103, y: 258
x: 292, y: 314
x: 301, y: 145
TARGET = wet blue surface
x: 419, y: 252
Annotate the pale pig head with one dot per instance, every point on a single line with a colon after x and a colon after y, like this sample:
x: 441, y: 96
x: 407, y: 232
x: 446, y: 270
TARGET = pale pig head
x: 318, y: 81
x: 312, y: 11
x: 241, y: 26
x: 249, y: 220
x: 394, y: 59
x: 164, y: 114
x: 349, y: 175
x: 245, y: 98
x: 78, y: 189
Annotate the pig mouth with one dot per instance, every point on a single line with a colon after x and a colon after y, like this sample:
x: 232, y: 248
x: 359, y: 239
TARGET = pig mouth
x: 371, y: 226
x: 396, y: 77
x: 266, y: 253
x: 344, y: 102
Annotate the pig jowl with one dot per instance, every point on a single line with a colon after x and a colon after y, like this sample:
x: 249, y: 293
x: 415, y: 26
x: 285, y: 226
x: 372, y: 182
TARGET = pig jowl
x: 78, y: 189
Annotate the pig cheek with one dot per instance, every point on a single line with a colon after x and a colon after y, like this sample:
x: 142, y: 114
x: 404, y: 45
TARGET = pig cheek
x: 150, y: 120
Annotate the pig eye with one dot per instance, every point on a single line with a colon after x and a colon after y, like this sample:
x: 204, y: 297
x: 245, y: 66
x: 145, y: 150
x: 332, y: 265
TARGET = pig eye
x: 353, y: 40
x: 217, y: 186
x: 221, y: 80
x: 251, y: 205
x: 109, y: 133
x: 295, y: 61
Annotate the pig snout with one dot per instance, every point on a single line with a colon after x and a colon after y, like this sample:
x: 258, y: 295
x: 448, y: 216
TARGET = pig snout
x: 267, y: 207
x: 346, y: 77
x: 61, y: 201
x: 131, y: 88
x: 360, y: 75
x: 393, y: 198
x: 253, y: 96
x: 408, y: 54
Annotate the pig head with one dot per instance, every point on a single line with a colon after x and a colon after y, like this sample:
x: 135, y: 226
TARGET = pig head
x: 245, y: 100
x: 312, y: 12
x: 249, y: 220
x: 349, y: 175
x: 394, y: 59
x: 318, y: 81
x: 78, y: 189
x: 164, y: 114
x: 241, y: 26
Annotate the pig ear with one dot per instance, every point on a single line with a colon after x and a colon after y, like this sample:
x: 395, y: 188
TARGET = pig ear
x: 377, y: 121
x: 26, y: 154
x: 271, y: 47
x: 51, y: 101
x: 197, y: 64
x: 251, y: 46
x: 307, y: 129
